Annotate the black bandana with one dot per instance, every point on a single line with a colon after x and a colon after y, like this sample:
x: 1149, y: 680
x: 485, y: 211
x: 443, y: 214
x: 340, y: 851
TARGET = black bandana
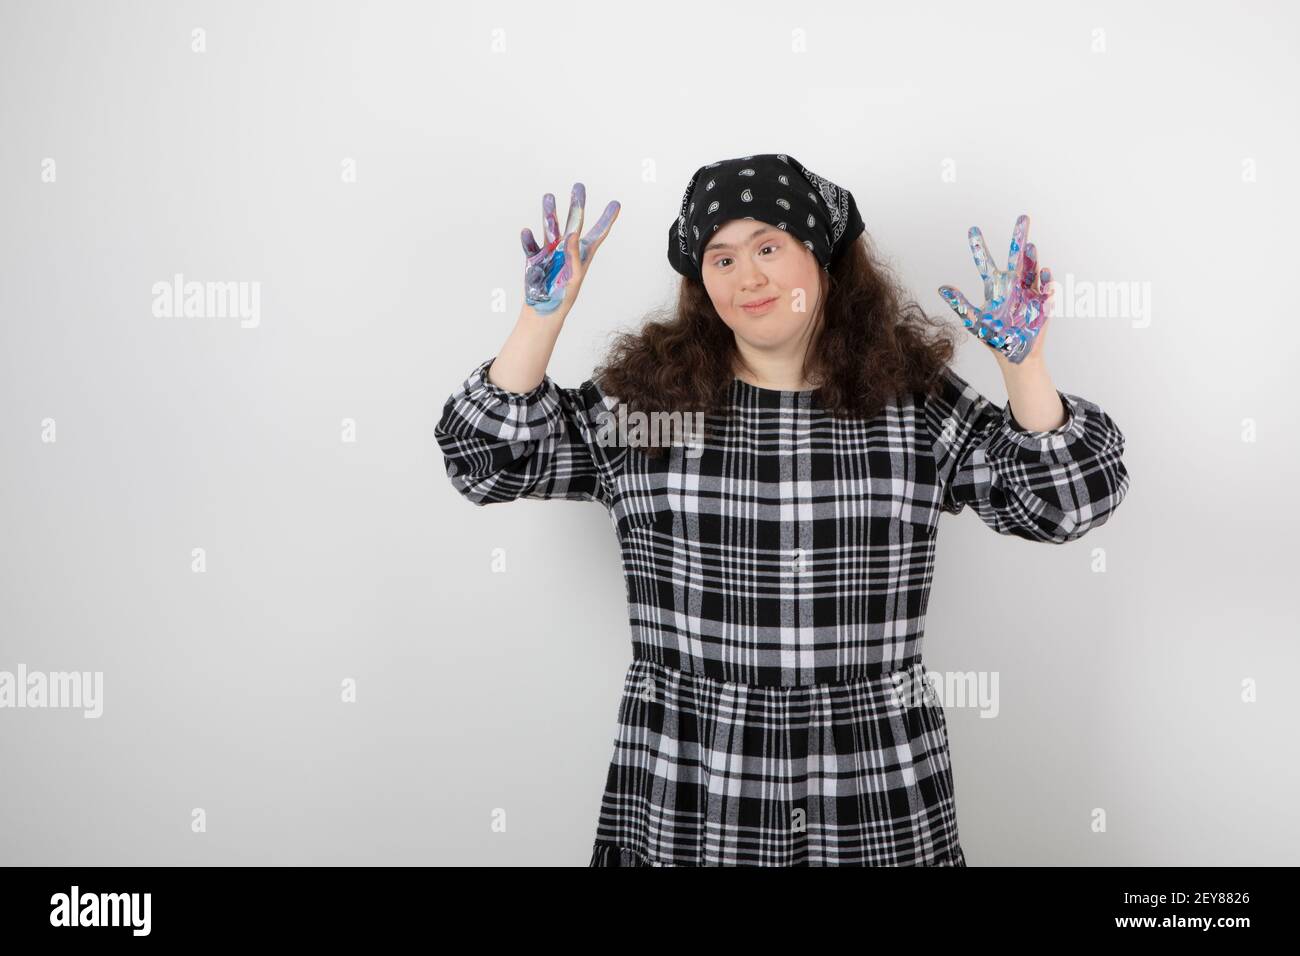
x: 772, y: 187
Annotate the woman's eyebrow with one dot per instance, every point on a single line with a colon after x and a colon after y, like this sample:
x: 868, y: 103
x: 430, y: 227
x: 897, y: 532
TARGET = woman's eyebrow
x: 725, y: 245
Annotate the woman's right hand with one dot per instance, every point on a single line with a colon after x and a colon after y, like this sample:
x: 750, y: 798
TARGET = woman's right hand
x: 554, y: 272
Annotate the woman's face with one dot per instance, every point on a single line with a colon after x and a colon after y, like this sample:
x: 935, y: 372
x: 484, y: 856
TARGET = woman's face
x: 747, y: 261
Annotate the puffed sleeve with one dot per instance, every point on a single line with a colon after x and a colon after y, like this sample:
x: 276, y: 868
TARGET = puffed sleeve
x: 1048, y: 486
x: 499, y: 445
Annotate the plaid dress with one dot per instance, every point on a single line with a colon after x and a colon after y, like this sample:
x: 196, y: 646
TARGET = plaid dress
x: 777, y: 585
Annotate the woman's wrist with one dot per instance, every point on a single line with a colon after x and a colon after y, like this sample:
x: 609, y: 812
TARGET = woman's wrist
x: 1033, y: 398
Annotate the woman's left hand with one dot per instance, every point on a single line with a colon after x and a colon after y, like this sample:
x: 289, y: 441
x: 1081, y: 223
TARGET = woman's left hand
x: 1015, y: 299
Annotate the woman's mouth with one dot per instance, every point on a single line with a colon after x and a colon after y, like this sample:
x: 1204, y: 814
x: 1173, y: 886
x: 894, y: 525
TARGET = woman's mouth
x: 757, y: 308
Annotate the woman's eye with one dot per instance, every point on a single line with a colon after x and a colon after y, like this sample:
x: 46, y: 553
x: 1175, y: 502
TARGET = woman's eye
x: 721, y: 263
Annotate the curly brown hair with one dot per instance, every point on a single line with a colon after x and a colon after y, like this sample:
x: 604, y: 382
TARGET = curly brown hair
x: 870, y: 344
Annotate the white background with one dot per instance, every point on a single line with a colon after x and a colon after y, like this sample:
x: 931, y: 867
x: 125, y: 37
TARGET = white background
x: 1127, y: 132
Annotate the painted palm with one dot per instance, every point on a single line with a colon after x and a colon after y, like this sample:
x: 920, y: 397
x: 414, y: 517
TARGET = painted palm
x: 1015, y: 299
x: 547, y: 272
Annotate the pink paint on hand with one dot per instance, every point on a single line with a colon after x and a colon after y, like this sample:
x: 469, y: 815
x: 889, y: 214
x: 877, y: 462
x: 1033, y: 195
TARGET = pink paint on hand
x: 1015, y: 299
x: 547, y: 271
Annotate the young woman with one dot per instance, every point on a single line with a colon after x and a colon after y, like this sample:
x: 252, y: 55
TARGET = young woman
x: 778, y: 565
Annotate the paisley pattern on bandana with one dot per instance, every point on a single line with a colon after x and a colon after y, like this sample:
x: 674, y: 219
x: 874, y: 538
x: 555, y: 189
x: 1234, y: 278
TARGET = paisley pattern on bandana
x: 770, y: 187
x: 836, y: 199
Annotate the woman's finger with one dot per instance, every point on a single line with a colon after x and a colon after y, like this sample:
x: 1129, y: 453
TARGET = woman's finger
x: 577, y: 203
x: 600, y: 230
x: 596, y: 235
x: 1030, y: 267
x: 980, y: 251
x: 531, y: 248
x: 570, y: 275
x: 550, y: 224
x: 1018, y: 235
x: 960, y: 304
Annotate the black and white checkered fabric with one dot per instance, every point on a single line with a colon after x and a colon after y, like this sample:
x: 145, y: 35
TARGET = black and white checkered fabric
x: 777, y: 586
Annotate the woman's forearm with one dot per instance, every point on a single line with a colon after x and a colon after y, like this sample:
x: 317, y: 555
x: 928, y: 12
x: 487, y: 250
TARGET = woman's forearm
x: 521, y: 364
x: 1033, y: 397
